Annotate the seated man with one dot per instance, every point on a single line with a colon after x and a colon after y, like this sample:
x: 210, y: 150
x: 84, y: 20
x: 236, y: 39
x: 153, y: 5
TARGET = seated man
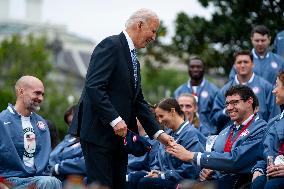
x: 263, y: 90
x: 267, y: 64
x: 203, y: 91
x: 237, y: 146
x: 25, y: 140
x: 67, y: 158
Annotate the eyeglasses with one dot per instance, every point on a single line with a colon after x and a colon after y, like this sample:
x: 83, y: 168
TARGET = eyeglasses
x: 232, y: 102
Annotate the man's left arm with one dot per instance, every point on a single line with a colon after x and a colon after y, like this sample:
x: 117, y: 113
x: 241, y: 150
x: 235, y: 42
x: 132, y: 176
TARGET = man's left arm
x: 70, y: 166
x: 239, y: 160
x: 148, y: 120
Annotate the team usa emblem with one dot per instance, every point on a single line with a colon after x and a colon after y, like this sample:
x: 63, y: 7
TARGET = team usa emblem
x: 134, y: 138
x: 255, y: 90
x: 274, y: 65
x: 204, y: 94
x: 245, y: 133
x: 41, y: 125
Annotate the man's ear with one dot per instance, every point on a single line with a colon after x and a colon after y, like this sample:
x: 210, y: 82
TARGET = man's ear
x: 20, y: 91
x: 140, y: 23
x: 173, y: 111
x: 250, y: 100
x: 269, y: 38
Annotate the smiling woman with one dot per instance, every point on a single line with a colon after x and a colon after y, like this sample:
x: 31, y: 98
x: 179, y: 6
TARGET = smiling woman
x: 169, y: 114
x: 167, y: 171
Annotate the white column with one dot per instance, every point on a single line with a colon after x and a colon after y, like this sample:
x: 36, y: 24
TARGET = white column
x: 34, y: 10
x: 4, y: 9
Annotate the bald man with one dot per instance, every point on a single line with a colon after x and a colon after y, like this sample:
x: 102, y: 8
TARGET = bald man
x: 24, y: 138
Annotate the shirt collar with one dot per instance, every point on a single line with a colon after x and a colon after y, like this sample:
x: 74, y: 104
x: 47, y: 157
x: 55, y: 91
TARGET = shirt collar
x: 181, y: 127
x: 12, y: 110
x: 245, y: 122
x: 201, y: 85
x: 129, y: 41
x: 255, y: 55
x: 281, y: 115
x: 249, y: 81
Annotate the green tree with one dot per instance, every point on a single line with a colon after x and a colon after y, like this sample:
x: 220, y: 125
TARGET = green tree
x: 228, y: 30
x: 157, y: 80
x: 29, y: 56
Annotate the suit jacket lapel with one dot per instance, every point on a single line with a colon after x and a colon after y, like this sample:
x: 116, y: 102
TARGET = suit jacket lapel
x: 129, y: 63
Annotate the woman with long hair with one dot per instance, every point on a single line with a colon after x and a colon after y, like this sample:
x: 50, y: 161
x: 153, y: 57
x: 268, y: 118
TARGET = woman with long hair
x: 166, y: 170
x: 188, y: 105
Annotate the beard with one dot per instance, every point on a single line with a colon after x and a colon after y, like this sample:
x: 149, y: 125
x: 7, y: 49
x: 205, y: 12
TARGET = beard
x: 32, y: 106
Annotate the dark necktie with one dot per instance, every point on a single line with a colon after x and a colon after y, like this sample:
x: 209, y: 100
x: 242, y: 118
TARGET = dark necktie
x: 135, y: 66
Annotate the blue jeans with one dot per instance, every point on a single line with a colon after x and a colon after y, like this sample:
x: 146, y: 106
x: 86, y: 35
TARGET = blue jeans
x: 273, y: 183
x: 138, y: 181
x: 156, y: 183
x: 40, y: 182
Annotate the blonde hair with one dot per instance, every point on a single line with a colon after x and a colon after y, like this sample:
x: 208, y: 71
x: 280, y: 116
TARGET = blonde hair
x: 195, y: 120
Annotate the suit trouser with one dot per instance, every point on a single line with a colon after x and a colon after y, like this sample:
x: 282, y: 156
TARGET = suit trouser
x: 105, y: 166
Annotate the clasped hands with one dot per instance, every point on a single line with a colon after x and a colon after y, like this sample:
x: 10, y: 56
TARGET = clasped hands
x: 120, y: 129
x: 180, y: 152
x: 153, y: 174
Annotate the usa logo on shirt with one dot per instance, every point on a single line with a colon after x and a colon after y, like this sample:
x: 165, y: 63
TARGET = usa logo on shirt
x: 255, y: 90
x: 245, y: 133
x: 274, y: 65
x: 41, y: 125
x: 204, y: 94
x: 134, y: 138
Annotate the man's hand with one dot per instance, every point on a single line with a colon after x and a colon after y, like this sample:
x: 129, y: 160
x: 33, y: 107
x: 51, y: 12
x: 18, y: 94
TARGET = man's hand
x: 205, y: 174
x: 120, y: 129
x: 256, y: 174
x: 275, y: 170
x: 165, y: 139
x: 180, y: 152
x: 153, y: 174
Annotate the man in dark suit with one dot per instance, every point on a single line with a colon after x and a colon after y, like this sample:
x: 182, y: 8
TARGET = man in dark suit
x: 112, y: 99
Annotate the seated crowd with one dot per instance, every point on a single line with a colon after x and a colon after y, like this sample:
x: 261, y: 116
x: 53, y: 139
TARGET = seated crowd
x: 244, y: 117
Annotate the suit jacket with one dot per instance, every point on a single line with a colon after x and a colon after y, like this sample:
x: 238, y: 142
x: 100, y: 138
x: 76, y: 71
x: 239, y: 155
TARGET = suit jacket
x: 109, y: 92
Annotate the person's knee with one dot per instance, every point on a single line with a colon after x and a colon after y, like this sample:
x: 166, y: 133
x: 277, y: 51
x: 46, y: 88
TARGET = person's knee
x: 259, y: 182
x: 273, y: 184
x: 142, y: 183
x: 48, y: 182
x: 270, y: 185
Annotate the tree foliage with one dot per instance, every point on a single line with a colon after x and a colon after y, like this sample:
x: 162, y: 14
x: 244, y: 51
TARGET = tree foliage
x: 157, y: 81
x: 29, y: 56
x: 228, y: 30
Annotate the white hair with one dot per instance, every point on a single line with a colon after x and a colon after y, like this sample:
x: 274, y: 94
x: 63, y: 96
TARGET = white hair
x: 143, y: 15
